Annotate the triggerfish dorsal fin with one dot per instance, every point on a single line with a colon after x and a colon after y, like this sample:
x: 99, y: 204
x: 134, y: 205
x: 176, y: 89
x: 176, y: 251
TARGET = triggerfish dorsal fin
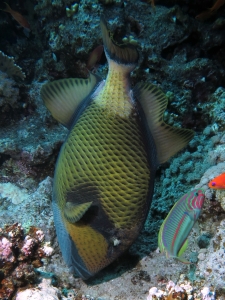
x: 64, y: 96
x: 74, y: 212
x: 125, y: 53
x: 168, y: 140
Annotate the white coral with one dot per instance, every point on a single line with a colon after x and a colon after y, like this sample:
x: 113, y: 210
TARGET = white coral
x: 44, y: 291
x: 8, y: 65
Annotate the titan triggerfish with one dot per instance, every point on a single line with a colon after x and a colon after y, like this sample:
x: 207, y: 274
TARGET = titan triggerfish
x: 104, y: 176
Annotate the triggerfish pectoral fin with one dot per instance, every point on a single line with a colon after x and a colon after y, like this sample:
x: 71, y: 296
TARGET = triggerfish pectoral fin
x: 63, y: 97
x: 74, y: 212
x: 175, y: 229
x: 168, y: 140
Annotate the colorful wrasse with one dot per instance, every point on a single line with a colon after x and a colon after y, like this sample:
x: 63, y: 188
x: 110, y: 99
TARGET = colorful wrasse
x: 17, y: 16
x: 104, y: 176
x: 218, y: 182
x: 175, y: 229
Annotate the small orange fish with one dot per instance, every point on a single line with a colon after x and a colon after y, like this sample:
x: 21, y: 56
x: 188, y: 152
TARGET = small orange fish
x: 208, y: 13
x: 218, y: 182
x: 204, y: 15
x: 17, y: 16
x: 217, y: 5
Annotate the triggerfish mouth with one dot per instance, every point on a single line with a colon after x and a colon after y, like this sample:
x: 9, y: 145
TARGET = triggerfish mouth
x: 104, y: 176
x: 175, y: 229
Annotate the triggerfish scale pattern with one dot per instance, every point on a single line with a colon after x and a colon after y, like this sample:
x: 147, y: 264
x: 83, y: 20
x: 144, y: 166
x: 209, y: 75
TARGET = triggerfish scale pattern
x: 174, y: 231
x: 104, y: 176
x: 218, y: 182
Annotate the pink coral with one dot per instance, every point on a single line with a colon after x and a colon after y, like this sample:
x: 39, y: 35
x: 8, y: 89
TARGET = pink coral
x: 6, y: 253
x: 28, y: 245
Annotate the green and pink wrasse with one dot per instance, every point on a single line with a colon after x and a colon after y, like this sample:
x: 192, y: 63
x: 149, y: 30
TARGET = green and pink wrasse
x: 175, y: 229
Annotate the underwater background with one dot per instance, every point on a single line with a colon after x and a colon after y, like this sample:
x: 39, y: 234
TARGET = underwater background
x: 182, y: 54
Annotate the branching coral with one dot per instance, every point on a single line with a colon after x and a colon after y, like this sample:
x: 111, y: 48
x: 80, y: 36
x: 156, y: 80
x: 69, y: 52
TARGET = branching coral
x: 7, y: 65
x: 19, y: 255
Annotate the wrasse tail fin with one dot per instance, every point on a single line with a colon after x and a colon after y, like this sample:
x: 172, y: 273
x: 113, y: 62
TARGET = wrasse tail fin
x: 168, y: 140
x: 74, y: 212
x: 63, y: 97
x: 125, y: 53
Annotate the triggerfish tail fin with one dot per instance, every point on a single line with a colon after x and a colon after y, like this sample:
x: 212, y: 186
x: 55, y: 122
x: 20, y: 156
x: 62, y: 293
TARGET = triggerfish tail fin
x: 175, y: 229
x: 64, y: 97
x: 168, y: 140
x: 125, y: 54
x: 218, y: 182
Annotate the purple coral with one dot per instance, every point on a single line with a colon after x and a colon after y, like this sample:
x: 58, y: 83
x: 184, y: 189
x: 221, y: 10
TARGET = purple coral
x: 28, y: 245
x: 6, y: 254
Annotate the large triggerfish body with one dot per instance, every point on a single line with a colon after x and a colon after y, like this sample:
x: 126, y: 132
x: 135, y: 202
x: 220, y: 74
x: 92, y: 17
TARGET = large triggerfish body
x: 104, y: 176
x: 175, y: 229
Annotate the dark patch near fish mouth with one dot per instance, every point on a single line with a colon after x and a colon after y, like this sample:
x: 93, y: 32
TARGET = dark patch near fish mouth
x: 117, y: 238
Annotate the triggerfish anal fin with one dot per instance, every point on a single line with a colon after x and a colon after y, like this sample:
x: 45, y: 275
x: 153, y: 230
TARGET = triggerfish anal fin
x: 174, y: 231
x: 63, y: 97
x: 168, y: 140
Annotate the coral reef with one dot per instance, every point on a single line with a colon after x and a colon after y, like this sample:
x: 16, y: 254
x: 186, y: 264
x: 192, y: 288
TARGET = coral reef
x: 8, y: 91
x: 185, y: 58
x: 183, y: 290
x: 7, y: 65
x: 72, y: 10
x: 20, y: 254
x: 43, y: 291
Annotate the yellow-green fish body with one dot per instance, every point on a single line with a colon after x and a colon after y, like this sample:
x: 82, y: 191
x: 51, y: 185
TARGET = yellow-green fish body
x: 104, y: 176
